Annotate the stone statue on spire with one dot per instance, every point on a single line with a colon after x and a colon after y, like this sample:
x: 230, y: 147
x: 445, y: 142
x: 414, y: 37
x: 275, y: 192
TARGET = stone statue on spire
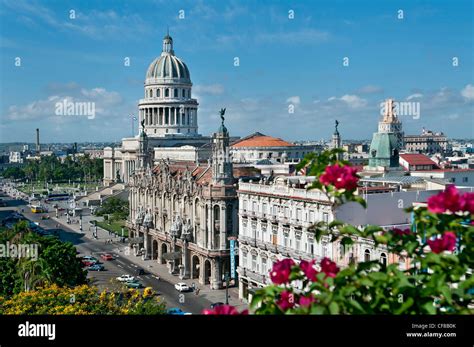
x: 222, y: 113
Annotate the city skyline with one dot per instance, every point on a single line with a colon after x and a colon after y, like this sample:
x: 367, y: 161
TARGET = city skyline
x: 291, y: 57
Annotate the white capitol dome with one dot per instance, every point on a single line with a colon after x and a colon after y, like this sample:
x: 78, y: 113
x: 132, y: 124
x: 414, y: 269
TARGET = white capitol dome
x: 167, y: 67
x: 168, y: 107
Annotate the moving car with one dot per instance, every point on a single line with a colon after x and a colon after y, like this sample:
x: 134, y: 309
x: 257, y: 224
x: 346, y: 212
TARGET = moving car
x: 140, y: 271
x: 177, y: 311
x: 96, y: 267
x: 182, y: 287
x: 89, y: 258
x: 88, y: 262
x: 107, y: 256
x: 125, y: 278
x: 134, y: 284
x: 214, y: 305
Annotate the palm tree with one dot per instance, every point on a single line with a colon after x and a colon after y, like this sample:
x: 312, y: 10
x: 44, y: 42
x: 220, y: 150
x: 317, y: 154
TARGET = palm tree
x: 33, y: 272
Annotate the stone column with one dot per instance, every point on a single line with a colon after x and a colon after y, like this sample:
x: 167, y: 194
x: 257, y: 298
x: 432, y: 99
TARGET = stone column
x: 216, y: 276
x: 210, y: 227
x: 185, y: 262
x: 223, y: 228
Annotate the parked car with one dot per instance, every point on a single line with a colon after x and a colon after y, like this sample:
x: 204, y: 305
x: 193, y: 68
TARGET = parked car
x: 175, y: 311
x: 125, y: 278
x: 133, y: 284
x: 215, y: 304
x: 90, y: 258
x: 140, y: 271
x: 107, y: 256
x: 182, y: 287
x: 88, y: 263
x: 96, y: 267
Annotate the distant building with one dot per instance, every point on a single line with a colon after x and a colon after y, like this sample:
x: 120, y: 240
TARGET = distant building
x: 387, y: 142
x: 428, y: 142
x: 15, y: 158
x: 416, y: 162
x: 258, y: 146
x: 94, y: 153
x: 459, y: 177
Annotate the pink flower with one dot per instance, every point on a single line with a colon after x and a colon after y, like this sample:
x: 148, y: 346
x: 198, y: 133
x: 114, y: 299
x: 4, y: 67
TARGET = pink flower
x: 341, y: 177
x: 306, y: 301
x: 447, y: 242
x: 400, y: 232
x: 308, y: 269
x: 224, y: 310
x: 281, y: 271
x: 445, y: 201
x: 286, y: 301
x: 329, y: 267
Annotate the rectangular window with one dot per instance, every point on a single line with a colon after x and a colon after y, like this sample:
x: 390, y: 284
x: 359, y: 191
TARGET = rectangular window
x: 264, y: 265
x: 245, y: 205
x: 325, y: 217
x: 311, y: 216
x: 254, y: 262
x: 298, y: 214
x: 297, y: 244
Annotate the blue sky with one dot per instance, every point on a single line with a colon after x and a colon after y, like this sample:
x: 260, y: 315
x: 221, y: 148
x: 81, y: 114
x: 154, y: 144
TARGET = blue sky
x: 283, y: 62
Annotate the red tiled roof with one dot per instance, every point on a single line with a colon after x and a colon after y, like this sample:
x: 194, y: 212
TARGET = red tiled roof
x: 261, y: 140
x: 417, y: 159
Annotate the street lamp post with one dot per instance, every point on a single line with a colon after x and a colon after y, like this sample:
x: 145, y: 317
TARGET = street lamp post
x: 227, y: 288
x: 80, y: 223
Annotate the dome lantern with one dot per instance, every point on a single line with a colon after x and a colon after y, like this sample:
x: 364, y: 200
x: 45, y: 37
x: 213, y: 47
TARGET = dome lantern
x: 168, y: 44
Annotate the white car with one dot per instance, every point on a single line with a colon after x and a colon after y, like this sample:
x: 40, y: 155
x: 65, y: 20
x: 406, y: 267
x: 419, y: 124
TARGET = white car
x: 182, y: 287
x: 125, y: 278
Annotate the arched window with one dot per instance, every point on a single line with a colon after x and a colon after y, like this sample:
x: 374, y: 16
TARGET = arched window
x: 341, y: 250
x: 151, y: 93
x: 383, y: 259
x: 367, y: 255
x: 184, y: 93
x: 217, y: 218
x: 175, y: 93
x: 167, y: 92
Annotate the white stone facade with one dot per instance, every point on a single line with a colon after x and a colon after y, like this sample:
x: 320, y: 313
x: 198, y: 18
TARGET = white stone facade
x: 274, y: 219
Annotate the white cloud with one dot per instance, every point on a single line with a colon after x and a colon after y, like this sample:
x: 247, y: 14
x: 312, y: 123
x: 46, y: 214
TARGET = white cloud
x: 106, y: 104
x: 353, y: 101
x: 295, y: 100
x: 414, y: 96
x: 468, y: 92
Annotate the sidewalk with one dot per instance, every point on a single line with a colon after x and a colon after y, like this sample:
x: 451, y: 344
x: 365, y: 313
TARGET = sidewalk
x: 152, y: 266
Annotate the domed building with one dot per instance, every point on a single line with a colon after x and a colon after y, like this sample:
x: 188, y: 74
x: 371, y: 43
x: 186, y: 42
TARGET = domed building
x: 168, y: 107
x: 168, y: 119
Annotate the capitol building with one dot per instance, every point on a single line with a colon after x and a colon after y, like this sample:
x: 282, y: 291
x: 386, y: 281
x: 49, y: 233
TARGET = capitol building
x: 169, y: 115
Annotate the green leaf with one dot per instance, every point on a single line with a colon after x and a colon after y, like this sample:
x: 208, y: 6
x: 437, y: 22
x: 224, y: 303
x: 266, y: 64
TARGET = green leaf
x: 334, y: 308
x: 405, y: 306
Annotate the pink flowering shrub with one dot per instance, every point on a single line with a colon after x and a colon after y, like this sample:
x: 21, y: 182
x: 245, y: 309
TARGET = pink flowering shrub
x: 438, y: 247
